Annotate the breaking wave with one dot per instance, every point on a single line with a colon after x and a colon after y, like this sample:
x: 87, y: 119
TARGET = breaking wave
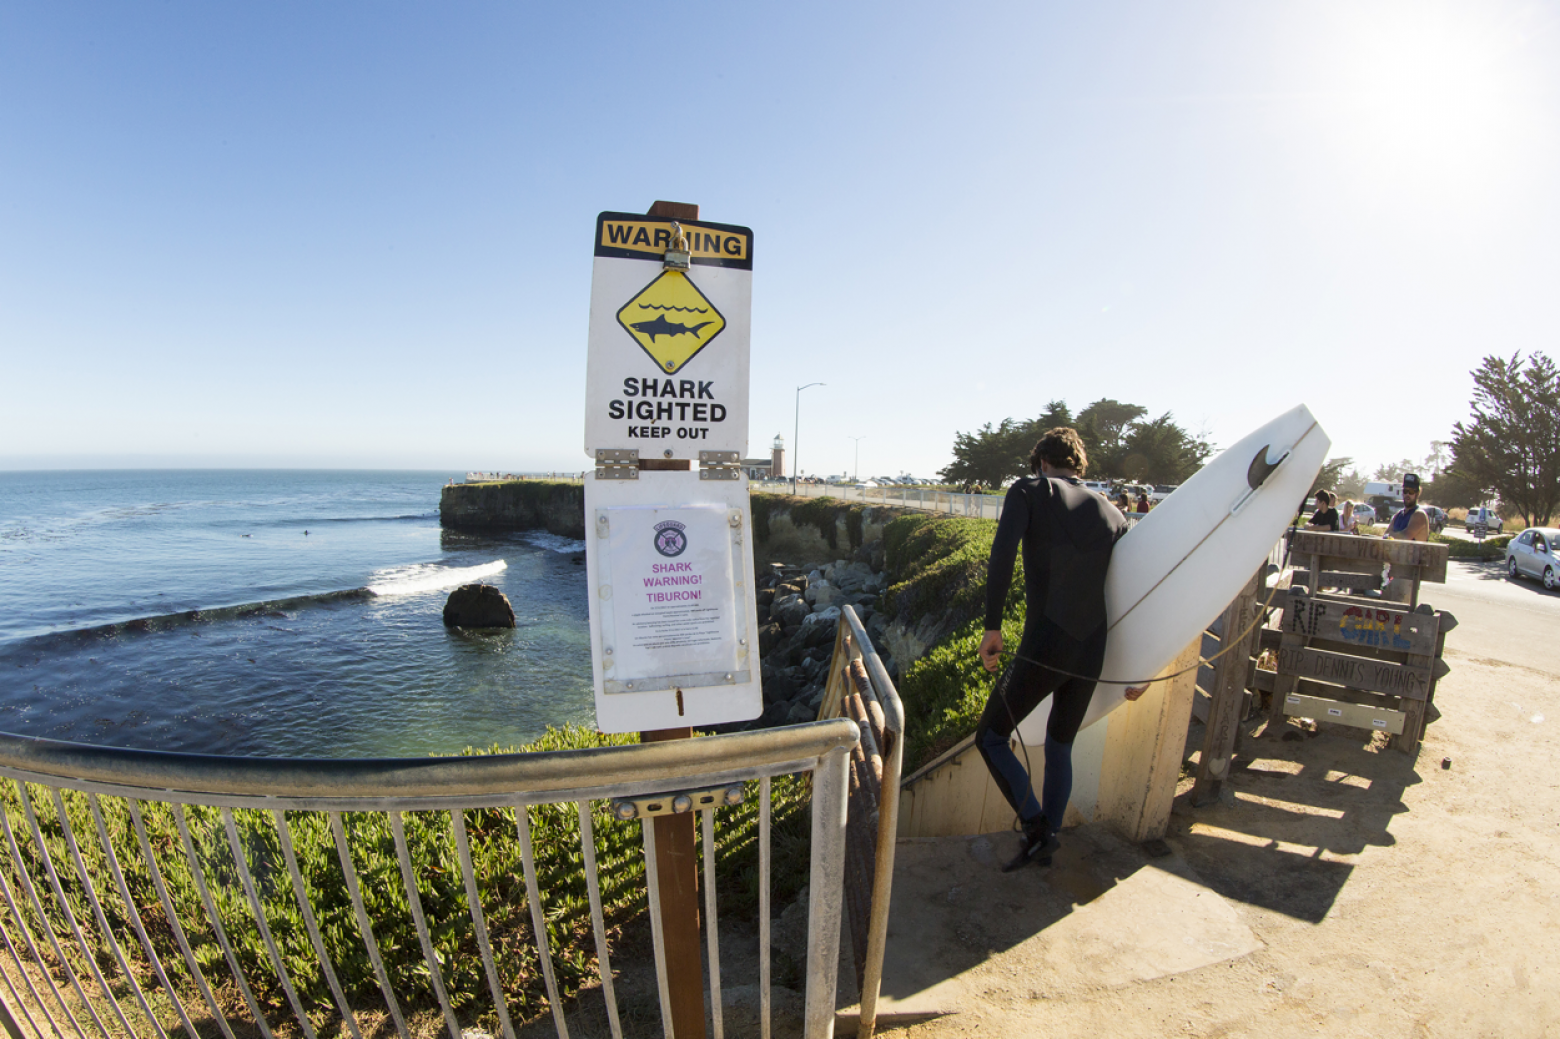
x: 423, y: 577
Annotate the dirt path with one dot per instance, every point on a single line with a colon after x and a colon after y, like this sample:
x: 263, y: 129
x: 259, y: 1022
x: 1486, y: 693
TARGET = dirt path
x: 1386, y: 896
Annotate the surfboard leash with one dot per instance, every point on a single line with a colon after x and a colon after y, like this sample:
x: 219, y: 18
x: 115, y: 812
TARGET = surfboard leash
x: 1261, y: 616
x: 1201, y: 660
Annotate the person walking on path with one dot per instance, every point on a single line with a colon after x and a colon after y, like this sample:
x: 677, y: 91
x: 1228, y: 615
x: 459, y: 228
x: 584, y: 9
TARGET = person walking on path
x: 1067, y: 535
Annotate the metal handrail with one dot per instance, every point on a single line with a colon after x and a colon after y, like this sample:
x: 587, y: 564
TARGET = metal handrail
x: 860, y: 688
x: 67, y: 969
x: 410, y: 782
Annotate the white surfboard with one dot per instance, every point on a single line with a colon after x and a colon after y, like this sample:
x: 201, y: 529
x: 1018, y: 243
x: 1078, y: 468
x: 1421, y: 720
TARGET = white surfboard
x: 1180, y: 565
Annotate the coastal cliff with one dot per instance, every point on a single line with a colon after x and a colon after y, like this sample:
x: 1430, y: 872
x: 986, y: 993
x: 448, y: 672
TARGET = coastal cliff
x: 916, y: 579
x: 556, y: 507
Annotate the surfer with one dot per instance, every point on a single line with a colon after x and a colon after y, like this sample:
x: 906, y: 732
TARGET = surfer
x: 1067, y: 533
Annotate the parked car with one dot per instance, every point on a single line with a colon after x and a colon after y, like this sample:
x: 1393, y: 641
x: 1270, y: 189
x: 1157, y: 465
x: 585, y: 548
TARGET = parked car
x: 1437, y: 517
x: 1161, y: 491
x: 1483, y: 518
x: 1535, y: 553
x: 1363, y: 513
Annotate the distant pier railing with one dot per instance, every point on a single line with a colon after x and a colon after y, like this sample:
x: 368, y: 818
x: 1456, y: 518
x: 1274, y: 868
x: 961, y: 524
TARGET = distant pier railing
x: 146, y: 894
x: 500, y: 477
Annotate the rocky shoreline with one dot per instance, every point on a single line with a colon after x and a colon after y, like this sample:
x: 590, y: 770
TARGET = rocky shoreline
x: 799, y: 615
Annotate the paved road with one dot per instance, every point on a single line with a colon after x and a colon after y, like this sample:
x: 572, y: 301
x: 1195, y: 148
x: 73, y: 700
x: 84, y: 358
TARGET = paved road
x: 1517, y: 622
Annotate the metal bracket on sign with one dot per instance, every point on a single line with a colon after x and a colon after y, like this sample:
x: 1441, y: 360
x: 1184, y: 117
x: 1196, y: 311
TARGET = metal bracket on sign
x: 720, y: 465
x: 676, y: 803
x: 617, y: 463
x: 677, y: 254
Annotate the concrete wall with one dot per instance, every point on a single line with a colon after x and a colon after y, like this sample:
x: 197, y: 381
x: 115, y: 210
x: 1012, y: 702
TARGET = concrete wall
x: 1125, y: 770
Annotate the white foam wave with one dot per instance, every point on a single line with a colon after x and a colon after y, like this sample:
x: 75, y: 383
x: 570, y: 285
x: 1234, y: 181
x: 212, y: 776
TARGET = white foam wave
x: 425, y: 578
x: 552, y: 542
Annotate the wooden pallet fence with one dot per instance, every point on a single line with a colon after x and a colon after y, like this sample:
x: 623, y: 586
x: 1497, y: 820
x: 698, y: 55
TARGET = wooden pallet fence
x: 1353, y: 563
x: 1363, y: 663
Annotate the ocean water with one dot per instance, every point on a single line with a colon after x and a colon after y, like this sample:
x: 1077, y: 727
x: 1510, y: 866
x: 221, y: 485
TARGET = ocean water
x: 277, y: 614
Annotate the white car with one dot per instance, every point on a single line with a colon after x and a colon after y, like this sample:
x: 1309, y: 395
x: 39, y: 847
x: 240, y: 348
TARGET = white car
x: 1485, y: 518
x: 1535, y: 553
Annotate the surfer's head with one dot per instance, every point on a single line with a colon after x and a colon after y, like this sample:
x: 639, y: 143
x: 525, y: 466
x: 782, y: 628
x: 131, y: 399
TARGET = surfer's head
x: 1060, y: 448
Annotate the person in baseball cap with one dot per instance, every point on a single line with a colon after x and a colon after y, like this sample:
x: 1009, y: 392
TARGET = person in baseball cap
x: 1410, y: 524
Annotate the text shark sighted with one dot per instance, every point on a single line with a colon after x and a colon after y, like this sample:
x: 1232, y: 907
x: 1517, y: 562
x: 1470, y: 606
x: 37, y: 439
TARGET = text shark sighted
x: 667, y: 400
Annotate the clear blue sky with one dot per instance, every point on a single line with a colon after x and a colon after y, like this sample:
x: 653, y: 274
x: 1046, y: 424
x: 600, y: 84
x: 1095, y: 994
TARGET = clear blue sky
x: 359, y: 234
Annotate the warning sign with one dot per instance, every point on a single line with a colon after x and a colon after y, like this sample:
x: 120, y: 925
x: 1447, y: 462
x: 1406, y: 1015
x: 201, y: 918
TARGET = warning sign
x: 671, y: 320
x: 646, y: 238
x: 667, y: 368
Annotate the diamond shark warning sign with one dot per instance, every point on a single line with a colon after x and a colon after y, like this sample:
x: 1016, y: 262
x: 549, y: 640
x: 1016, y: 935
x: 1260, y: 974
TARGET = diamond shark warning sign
x: 671, y: 320
x: 671, y: 315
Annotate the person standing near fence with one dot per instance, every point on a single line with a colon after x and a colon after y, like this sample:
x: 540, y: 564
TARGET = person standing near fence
x: 1067, y: 533
x: 1409, y: 524
x: 1325, y: 517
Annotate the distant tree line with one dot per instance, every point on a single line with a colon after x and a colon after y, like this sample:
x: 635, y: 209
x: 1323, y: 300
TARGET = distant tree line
x: 1123, y: 443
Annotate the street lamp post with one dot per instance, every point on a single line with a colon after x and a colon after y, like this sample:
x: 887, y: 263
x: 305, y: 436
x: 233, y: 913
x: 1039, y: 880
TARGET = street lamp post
x: 855, y: 472
x: 796, y: 435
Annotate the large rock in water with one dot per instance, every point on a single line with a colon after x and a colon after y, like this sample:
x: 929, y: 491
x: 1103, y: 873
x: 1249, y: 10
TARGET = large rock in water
x: 478, y: 606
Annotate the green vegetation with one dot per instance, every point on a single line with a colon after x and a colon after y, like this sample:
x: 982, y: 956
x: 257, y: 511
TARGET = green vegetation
x: 495, y: 853
x: 820, y: 513
x: 945, y: 691
x: 762, y: 505
x: 938, y: 565
x: 1489, y: 548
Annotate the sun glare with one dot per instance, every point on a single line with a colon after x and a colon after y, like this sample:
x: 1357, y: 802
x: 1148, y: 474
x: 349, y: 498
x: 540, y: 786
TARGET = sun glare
x: 1439, y: 96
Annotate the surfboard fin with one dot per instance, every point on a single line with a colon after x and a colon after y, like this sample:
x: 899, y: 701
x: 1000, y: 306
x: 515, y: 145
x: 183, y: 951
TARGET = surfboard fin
x: 1260, y: 468
x: 1258, y: 472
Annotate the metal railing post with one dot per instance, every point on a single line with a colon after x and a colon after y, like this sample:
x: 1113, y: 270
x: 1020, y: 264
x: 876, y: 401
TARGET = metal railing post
x: 826, y: 894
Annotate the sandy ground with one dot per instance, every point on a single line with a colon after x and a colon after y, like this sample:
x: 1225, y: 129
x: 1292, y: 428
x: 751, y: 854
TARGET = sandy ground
x: 1383, y: 895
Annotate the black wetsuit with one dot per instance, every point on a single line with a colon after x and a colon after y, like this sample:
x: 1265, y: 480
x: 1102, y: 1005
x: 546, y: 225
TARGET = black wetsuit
x: 1067, y: 533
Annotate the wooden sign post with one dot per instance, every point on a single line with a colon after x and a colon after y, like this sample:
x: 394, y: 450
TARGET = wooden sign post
x: 669, y: 559
x: 1229, y: 690
x: 676, y: 860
